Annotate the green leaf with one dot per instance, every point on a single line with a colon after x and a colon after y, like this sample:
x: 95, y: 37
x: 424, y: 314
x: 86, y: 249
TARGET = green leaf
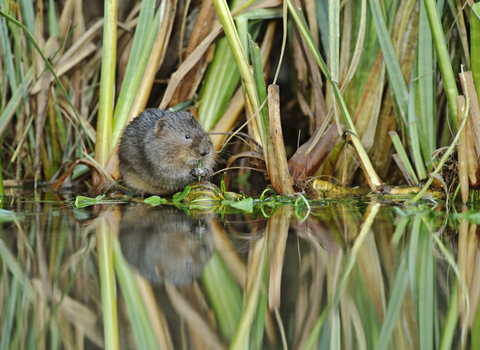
x: 82, y: 202
x: 245, y: 204
x: 155, y: 200
x: 177, y: 197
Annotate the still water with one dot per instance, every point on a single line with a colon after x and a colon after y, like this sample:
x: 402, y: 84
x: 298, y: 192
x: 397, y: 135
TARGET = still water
x: 345, y: 275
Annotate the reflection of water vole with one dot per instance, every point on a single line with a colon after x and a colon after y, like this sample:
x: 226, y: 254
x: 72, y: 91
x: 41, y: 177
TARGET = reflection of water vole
x: 159, y: 152
x: 165, y: 243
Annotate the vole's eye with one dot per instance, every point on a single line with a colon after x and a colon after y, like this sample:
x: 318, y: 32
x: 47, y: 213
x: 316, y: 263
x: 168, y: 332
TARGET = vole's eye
x: 187, y: 136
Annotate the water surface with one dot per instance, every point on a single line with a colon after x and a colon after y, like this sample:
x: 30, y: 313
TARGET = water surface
x: 346, y: 275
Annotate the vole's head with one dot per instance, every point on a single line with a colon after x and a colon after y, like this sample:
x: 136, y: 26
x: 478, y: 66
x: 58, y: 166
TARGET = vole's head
x: 182, y: 132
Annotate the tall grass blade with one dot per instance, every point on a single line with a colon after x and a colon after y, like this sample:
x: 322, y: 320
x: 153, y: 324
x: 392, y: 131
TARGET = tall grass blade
x: 397, y: 82
x: 224, y: 295
x: 414, y: 137
x: 443, y: 58
x: 142, y: 43
x: 451, y: 320
x: 426, y: 292
x: 398, y: 290
x: 103, y: 146
x: 425, y: 87
x: 107, y: 284
x: 475, y: 46
x: 142, y: 328
x: 333, y: 37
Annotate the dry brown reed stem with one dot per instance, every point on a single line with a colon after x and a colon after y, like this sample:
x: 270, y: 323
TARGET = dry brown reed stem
x: 284, y: 184
x: 461, y: 151
x: 468, y: 87
x: 463, y: 261
x: 277, y: 228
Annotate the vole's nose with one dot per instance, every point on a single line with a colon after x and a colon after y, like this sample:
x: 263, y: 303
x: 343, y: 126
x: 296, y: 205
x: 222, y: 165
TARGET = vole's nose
x: 203, y: 153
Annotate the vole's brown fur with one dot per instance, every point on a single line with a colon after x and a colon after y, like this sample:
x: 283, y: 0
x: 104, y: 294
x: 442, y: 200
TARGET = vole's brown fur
x: 159, y: 152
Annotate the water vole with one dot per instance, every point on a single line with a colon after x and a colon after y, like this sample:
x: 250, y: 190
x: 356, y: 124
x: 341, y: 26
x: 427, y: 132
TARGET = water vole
x: 159, y: 152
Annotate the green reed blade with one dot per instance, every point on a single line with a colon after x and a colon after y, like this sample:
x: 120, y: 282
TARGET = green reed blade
x: 475, y: 332
x: 107, y: 284
x: 426, y: 292
x: 103, y: 145
x: 259, y: 80
x: 7, y: 51
x: 53, y: 23
x: 224, y: 295
x: 142, y: 328
x: 2, y: 190
x: 451, y: 320
x: 395, y: 303
x: 214, y: 97
x: 475, y: 45
x: 425, y: 87
x: 28, y: 14
x: 443, y: 58
x: 240, y: 59
x: 143, y: 39
x: 397, y: 82
x: 333, y: 37
x: 9, y: 316
x: 414, y: 137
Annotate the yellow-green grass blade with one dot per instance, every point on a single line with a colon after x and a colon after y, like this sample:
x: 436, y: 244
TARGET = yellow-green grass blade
x: 397, y: 82
x: 425, y: 87
x: 142, y: 328
x: 107, y: 284
x: 145, y: 33
x: 224, y: 295
x: 443, y: 58
x: 399, y: 288
x: 333, y: 37
x: 475, y: 46
x: 103, y: 145
x: 414, y: 137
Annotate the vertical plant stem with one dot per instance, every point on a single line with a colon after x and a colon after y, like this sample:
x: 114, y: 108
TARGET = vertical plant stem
x: 241, y: 60
x: 107, y: 284
x: 475, y: 46
x: 333, y: 37
x: 2, y: 191
x: 107, y: 83
x: 443, y: 58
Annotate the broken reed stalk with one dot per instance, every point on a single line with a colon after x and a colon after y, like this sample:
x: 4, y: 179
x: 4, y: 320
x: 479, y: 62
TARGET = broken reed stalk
x: 276, y: 135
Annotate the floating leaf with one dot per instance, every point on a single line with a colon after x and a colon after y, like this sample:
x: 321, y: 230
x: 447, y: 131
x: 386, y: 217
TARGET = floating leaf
x: 177, y: 197
x: 245, y: 204
x: 155, y: 200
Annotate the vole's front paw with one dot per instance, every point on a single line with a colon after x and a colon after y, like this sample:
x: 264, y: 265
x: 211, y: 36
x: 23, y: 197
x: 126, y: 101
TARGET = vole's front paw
x: 200, y: 172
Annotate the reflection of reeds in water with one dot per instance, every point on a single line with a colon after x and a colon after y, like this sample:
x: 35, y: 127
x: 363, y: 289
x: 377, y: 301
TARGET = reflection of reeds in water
x: 346, y: 278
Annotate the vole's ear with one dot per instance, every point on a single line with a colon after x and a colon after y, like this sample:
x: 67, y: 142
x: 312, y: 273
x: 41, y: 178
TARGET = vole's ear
x: 159, y: 125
